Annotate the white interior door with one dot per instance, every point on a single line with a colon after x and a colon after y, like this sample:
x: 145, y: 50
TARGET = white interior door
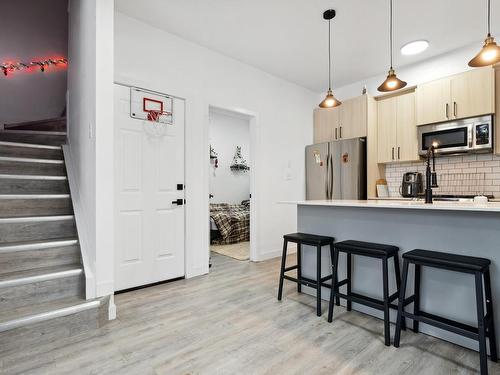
x: 149, y: 165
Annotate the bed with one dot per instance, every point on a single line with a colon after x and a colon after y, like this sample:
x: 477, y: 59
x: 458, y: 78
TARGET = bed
x: 229, y: 223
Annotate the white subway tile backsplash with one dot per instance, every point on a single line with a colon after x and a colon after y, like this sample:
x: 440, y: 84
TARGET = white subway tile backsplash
x: 485, y: 157
x: 461, y: 174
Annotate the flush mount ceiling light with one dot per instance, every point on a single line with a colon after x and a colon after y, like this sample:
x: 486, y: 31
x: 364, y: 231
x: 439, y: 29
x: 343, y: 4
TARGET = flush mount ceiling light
x: 392, y: 82
x: 330, y: 101
x: 490, y: 53
x: 415, y: 47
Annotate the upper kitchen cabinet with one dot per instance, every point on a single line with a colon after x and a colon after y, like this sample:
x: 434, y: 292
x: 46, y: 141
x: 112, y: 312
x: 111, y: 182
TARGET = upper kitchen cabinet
x: 353, y: 118
x: 463, y: 95
x: 473, y: 93
x: 433, y: 100
x: 349, y: 120
x: 397, y: 129
x: 325, y: 121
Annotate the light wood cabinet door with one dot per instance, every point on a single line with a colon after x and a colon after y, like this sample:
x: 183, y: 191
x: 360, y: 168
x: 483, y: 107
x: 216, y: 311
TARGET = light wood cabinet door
x: 472, y: 93
x: 353, y: 118
x: 433, y: 102
x: 386, y: 132
x: 324, y: 123
x: 406, y: 128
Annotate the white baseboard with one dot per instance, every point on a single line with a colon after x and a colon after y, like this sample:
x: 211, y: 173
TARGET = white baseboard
x: 111, y: 308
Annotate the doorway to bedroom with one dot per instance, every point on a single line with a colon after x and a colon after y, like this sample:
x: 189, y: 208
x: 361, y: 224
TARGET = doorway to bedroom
x: 230, y: 184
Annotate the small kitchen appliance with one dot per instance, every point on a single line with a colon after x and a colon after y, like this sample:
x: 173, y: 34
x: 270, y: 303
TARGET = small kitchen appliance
x: 412, y: 185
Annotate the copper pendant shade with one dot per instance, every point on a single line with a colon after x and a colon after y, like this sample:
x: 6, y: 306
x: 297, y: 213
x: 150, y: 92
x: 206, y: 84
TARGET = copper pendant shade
x: 490, y: 53
x: 330, y: 101
x: 392, y: 82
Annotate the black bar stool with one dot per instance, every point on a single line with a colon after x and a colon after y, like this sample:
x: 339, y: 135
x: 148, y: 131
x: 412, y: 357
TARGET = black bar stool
x: 311, y: 240
x: 479, y: 267
x: 372, y: 250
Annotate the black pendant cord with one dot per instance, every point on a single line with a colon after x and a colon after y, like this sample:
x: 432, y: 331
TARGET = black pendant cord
x: 390, y: 31
x: 489, y: 18
x: 329, y: 56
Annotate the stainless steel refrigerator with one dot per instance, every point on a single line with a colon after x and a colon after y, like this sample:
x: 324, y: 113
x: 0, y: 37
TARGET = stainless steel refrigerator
x: 336, y: 170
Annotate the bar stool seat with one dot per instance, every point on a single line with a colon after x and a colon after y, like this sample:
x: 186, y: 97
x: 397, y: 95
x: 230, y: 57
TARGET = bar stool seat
x: 313, y: 240
x: 308, y: 239
x: 371, y: 249
x: 447, y: 260
x: 479, y: 267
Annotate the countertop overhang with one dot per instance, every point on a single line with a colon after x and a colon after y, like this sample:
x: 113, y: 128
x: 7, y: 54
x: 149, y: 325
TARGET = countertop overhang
x: 412, y: 205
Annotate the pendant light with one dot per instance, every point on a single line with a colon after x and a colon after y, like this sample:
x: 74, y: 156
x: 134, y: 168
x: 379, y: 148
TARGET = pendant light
x: 490, y: 53
x: 330, y: 101
x: 392, y: 82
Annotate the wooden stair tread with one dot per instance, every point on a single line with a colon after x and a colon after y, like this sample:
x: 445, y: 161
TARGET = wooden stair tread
x: 40, y: 244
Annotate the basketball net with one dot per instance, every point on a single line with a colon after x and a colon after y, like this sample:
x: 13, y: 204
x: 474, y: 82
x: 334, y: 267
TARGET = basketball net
x: 153, y: 126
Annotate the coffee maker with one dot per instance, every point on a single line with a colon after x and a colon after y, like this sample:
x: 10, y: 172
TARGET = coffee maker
x: 412, y: 185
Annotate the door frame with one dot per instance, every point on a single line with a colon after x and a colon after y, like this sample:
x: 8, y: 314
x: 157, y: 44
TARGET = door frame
x: 254, y: 131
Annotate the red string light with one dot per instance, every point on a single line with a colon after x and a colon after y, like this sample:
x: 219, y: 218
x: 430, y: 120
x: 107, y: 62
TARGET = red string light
x: 8, y: 68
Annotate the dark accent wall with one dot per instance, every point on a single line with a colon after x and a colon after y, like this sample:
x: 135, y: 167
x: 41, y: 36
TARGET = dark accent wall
x: 33, y: 29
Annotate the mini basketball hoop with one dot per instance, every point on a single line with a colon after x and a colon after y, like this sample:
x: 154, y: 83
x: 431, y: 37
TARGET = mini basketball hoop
x: 151, y: 106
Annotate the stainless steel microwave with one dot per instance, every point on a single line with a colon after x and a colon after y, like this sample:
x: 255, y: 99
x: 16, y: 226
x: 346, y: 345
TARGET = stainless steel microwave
x: 467, y: 135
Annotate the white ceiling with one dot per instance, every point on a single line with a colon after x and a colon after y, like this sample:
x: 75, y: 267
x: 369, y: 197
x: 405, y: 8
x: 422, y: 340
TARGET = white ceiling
x: 288, y: 38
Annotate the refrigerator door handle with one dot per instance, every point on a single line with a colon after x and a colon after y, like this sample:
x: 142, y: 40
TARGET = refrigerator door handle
x: 330, y: 177
x: 327, y: 188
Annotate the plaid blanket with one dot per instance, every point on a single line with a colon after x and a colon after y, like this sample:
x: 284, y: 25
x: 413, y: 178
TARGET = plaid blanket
x: 233, y: 222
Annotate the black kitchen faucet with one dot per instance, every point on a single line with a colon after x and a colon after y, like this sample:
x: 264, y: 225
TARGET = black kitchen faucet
x: 430, y: 176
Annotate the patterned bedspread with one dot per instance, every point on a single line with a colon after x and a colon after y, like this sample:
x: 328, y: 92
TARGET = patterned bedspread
x: 233, y: 222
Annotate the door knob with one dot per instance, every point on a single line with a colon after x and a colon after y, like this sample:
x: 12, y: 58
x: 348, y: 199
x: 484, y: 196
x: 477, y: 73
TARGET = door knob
x: 178, y: 202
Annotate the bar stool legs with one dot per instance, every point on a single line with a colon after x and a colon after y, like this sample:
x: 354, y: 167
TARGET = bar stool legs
x: 349, y: 280
x: 315, y: 242
x: 385, y: 276
x: 282, y: 272
x: 489, y: 312
x: 416, y: 302
x: 299, y: 267
x: 483, y: 356
x: 318, y: 278
x: 401, y: 304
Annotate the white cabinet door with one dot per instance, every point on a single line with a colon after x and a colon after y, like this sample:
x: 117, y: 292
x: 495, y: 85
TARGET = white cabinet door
x: 149, y: 228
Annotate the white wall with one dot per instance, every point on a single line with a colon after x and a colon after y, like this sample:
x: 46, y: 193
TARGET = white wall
x: 90, y: 122
x: 226, y: 132
x: 32, y: 30
x: 203, y: 77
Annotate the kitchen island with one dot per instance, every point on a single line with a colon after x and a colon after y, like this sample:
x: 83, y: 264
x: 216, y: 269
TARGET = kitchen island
x: 456, y: 227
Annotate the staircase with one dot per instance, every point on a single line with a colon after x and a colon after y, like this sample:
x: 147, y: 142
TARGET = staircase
x: 42, y: 284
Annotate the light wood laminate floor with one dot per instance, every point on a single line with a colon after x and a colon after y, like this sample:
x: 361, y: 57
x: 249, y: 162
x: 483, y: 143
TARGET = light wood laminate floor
x: 229, y: 322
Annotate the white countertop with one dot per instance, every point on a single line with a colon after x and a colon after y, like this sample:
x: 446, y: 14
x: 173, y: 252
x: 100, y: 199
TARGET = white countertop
x: 403, y: 204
